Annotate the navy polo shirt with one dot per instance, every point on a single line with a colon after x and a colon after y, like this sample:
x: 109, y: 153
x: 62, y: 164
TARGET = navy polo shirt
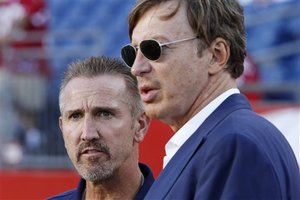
x: 76, y: 194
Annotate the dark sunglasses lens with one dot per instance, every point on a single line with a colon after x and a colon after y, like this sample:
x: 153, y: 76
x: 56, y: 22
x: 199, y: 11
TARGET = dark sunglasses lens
x: 150, y: 49
x: 128, y: 55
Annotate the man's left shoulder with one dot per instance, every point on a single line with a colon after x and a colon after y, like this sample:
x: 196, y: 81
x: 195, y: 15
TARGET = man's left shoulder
x: 148, y: 181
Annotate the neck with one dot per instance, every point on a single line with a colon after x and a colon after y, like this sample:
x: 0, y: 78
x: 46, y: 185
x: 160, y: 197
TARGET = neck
x: 216, y: 86
x: 121, y: 186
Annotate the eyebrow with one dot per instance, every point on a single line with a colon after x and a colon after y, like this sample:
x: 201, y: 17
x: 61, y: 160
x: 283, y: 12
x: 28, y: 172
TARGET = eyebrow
x: 68, y: 112
x: 159, y: 38
x: 104, y: 108
x: 93, y: 110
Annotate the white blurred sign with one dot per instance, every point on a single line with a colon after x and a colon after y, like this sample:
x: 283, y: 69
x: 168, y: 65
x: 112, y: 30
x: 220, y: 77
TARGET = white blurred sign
x: 287, y: 120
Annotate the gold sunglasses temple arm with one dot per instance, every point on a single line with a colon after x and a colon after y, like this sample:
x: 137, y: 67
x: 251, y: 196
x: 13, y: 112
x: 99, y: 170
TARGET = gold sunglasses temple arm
x: 177, y: 41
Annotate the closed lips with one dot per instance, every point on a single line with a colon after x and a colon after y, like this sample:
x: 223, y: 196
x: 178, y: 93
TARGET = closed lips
x: 90, y: 150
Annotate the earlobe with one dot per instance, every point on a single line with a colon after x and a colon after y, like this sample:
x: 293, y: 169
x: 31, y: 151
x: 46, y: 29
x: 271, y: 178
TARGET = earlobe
x: 220, y: 55
x: 143, y: 125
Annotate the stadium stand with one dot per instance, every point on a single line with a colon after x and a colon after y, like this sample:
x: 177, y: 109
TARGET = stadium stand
x: 273, y: 39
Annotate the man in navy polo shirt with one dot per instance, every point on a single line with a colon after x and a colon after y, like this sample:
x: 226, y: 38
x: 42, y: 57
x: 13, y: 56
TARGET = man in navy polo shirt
x: 103, y: 121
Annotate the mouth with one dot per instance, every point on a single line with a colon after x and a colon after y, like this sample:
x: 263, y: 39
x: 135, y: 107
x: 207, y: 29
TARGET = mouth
x: 91, y: 151
x: 148, y: 93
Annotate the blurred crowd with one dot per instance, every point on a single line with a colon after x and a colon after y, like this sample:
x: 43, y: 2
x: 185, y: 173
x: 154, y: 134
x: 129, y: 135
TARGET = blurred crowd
x: 24, y: 72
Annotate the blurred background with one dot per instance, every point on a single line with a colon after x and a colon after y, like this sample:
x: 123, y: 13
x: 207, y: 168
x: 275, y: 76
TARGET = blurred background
x: 38, y: 38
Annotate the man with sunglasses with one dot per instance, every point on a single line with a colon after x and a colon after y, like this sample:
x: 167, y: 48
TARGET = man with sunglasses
x: 187, y: 55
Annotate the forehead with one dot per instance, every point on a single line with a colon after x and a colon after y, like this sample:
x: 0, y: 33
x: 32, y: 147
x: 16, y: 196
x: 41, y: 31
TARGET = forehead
x: 154, y: 23
x: 103, y: 90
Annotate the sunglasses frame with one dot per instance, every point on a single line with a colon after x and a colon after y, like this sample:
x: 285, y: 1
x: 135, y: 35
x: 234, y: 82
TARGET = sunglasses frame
x: 160, y: 45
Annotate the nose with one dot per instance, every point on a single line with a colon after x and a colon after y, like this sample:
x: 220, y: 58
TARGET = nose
x: 141, y: 65
x: 89, y: 130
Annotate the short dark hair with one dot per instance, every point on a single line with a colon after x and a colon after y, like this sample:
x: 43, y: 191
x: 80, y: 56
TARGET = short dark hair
x: 209, y: 19
x: 95, y: 66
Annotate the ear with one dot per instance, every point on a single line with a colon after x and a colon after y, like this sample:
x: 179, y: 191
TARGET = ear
x: 220, y: 50
x: 60, y: 122
x: 142, y: 128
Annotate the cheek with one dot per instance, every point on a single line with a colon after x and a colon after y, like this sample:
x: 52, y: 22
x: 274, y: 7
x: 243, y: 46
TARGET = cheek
x: 125, y: 138
x: 174, y: 83
x: 69, y: 140
x: 182, y: 84
x: 71, y: 137
x: 121, y: 139
x: 70, y: 147
x: 72, y: 130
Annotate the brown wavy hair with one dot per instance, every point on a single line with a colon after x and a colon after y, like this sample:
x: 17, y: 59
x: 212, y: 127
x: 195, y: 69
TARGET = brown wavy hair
x: 209, y: 19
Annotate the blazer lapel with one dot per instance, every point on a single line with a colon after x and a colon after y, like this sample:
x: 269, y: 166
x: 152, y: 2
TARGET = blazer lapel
x: 174, y: 168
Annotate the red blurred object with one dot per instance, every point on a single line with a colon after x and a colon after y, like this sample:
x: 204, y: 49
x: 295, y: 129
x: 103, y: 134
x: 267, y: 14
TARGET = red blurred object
x: 249, y: 76
x: 32, y: 184
x: 152, y: 149
x: 26, y: 45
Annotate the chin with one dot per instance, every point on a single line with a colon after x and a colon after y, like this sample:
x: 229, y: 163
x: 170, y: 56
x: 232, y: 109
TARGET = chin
x: 155, y: 114
x: 95, y: 174
x: 151, y: 112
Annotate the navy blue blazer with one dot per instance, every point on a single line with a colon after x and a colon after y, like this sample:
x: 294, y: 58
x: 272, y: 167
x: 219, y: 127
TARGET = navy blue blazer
x: 234, y: 155
x: 76, y: 194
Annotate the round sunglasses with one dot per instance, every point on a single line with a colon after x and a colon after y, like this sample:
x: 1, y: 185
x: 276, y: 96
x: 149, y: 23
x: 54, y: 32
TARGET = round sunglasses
x: 151, y: 49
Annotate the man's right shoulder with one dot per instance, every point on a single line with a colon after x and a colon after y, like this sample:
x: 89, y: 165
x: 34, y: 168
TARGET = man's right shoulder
x: 68, y: 195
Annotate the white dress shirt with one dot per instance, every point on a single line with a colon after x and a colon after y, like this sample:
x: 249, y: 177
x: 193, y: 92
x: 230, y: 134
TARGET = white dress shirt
x: 179, y: 138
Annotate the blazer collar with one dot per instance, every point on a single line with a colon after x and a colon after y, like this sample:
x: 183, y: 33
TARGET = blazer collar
x: 177, y: 164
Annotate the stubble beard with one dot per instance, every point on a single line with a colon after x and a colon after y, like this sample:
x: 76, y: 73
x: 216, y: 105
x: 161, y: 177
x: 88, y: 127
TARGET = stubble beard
x: 96, y: 172
x: 94, y: 169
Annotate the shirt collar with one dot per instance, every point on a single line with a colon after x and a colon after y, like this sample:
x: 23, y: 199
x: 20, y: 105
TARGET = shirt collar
x: 179, y: 138
x: 148, y: 181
